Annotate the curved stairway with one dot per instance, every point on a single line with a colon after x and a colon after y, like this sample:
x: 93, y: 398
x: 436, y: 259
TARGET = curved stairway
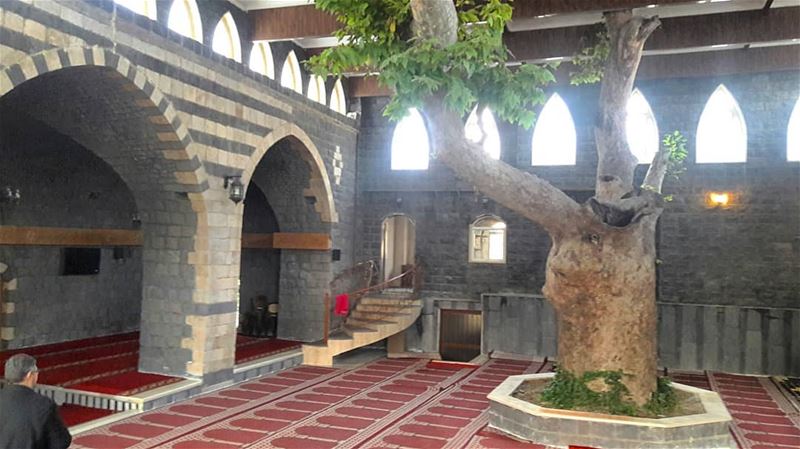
x: 375, y: 317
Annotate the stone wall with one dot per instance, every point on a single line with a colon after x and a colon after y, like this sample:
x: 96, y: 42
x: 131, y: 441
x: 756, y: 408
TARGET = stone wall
x: 746, y: 255
x: 731, y: 274
x: 64, y: 185
x: 756, y: 340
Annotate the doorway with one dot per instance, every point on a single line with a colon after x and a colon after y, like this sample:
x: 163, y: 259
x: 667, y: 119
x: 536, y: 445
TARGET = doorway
x: 460, y: 335
x: 398, y: 244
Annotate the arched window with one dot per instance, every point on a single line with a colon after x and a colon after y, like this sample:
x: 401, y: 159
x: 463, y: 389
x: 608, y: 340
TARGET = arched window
x: 554, y: 140
x: 146, y: 8
x: 290, y: 74
x: 410, y: 143
x: 184, y: 18
x: 484, y: 129
x: 721, y: 133
x: 338, y: 102
x: 641, y: 128
x: 793, y: 135
x: 316, y: 89
x: 226, y: 39
x: 487, y: 240
x: 261, y: 59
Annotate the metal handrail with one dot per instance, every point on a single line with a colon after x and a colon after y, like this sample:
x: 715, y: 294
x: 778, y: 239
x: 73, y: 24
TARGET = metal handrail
x: 356, y: 295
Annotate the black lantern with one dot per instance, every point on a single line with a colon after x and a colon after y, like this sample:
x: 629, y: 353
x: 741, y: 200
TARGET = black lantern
x: 235, y: 188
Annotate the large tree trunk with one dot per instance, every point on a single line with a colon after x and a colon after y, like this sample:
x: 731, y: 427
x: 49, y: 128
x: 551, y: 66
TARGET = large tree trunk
x: 601, y: 281
x: 601, y: 267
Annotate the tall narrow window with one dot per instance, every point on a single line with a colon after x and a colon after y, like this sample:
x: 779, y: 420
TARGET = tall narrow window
x: 483, y: 128
x: 487, y: 242
x: 554, y: 140
x: 793, y: 134
x: 146, y: 8
x: 721, y: 133
x: 410, y: 144
x: 226, y: 39
x: 184, y: 18
x: 261, y: 59
x: 641, y: 128
x: 290, y: 74
x: 338, y: 102
x: 316, y: 89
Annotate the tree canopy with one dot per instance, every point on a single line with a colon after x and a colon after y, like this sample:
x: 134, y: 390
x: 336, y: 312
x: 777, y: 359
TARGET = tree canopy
x: 378, y: 37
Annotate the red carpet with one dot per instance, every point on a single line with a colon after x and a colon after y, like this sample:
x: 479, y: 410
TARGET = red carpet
x: 126, y: 384
x: 75, y: 414
x: 393, y: 404
x: 108, y: 364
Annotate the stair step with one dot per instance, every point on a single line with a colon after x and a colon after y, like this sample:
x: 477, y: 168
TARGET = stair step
x: 394, y: 308
x: 367, y: 322
x: 388, y: 301
x: 355, y: 328
x: 372, y: 315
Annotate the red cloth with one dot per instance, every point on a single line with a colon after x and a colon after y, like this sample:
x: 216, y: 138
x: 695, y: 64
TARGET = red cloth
x: 342, y: 304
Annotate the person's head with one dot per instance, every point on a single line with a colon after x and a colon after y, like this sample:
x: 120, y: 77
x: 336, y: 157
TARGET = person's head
x: 21, y: 369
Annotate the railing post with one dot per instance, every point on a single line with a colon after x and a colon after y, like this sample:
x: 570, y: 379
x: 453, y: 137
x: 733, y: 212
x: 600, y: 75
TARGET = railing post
x: 326, y: 324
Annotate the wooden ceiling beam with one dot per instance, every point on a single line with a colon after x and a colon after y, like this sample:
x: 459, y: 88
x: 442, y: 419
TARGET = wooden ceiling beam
x: 535, y: 8
x: 744, y: 27
x: 294, y: 22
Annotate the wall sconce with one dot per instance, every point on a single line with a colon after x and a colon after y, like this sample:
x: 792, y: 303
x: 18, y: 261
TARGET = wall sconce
x: 9, y: 195
x: 718, y: 199
x: 235, y: 188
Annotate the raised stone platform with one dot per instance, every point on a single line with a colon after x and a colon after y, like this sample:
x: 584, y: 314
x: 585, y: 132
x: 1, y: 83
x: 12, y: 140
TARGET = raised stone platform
x: 562, y: 428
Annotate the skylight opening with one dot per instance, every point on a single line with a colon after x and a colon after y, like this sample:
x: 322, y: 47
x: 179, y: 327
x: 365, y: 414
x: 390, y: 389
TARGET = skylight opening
x: 261, y: 59
x: 721, y: 132
x: 316, y: 89
x: 145, y: 8
x: 184, y: 19
x: 338, y: 102
x: 554, y: 138
x: 226, y: 39
x: 290, y: 74
x: 793, y: 134
x: 641, y: 128
x: 484, y: 130
x: 410, y: 143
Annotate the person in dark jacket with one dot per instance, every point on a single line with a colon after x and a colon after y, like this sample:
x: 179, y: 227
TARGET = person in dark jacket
x: 28, y: 420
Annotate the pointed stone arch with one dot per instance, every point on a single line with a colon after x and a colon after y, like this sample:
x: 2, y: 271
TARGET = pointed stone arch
x: 179, y: 272
x: 319, y: 185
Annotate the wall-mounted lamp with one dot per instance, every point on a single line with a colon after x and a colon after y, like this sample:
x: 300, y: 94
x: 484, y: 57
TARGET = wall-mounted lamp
x: 9, y: 195
x: 235, y: 188
x: 718, y: 199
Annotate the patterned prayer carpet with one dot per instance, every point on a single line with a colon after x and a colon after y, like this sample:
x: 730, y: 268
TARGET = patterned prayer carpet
x: 397, y: 404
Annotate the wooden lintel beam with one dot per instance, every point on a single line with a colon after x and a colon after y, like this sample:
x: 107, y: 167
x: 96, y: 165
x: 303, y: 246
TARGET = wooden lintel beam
x: 534, y: 8
x: 743, y: 27
x: 287, y: 240
x: 38, y: 236
x: 292, y: 22
x: 366, y: 86
x: 720, y: 63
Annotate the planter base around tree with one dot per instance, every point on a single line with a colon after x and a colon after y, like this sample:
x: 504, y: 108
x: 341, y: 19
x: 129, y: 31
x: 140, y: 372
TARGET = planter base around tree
x: 562, y: 428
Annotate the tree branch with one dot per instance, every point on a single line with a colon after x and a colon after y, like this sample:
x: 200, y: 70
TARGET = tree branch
x: 435, y: 20
x: 658, y: 169
x: 616, y: 164
x: 524, y: 193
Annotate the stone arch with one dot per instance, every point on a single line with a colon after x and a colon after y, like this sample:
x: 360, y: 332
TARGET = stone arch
x: 319, y: 184
x: 52, y: 60
x: 165, y: 175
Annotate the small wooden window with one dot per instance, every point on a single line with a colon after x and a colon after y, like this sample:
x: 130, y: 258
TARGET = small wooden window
x: 487, y: 242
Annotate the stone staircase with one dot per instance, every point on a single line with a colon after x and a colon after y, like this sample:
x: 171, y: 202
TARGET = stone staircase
x: 375, y: 317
